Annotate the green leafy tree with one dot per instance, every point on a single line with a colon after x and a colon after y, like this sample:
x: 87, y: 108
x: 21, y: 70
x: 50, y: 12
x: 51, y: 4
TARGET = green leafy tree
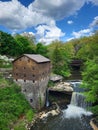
x: 59, y: 62
x: 90, y: 83
x: 41, y: 49
x: 24, y: 45
x: 8, y: 44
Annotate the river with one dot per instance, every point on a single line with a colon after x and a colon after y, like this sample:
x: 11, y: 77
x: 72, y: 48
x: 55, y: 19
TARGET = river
x: 75, y: 117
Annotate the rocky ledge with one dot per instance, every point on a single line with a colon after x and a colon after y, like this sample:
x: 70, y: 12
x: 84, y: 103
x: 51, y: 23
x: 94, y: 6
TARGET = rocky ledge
x: 94, y: 124
x: 64, y: 87
x: 54, y: 110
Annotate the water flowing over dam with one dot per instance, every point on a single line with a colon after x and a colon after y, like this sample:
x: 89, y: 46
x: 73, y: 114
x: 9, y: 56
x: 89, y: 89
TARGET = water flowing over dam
x: 75, y: 117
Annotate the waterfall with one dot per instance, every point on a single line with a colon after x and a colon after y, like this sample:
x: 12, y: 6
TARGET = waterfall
x: 79, y: 100
x: 77, y: 106
x: 47, y: 98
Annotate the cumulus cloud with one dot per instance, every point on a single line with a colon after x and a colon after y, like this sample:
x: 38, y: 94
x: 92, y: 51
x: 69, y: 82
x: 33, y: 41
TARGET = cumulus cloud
x: 15, y: 16
x: 40, y: 13
x: 81, y: 33
x: 70, y: 22
x: 48, y: 33
x: 56, y: 9
x: 95, y: 22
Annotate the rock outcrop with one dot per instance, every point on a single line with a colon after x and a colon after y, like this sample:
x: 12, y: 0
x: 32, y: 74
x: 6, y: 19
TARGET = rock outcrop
x: 54, y: 112
x: 93, y: 125
x: 62, y: 87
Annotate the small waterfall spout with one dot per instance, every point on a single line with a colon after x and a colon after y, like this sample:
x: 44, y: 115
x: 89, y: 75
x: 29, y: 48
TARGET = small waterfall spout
x: 47, y: 98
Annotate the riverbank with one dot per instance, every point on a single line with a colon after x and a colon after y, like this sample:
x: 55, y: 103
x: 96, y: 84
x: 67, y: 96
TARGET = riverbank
x: 49, y: 112
x: 94, y: 124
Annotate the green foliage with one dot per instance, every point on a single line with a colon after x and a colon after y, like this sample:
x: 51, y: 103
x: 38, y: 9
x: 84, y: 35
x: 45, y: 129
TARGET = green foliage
x: 3, y: 82
x: 15, y: 46
x: 24, y: 45
x: 7, y: 44
x: 95, y: 110
x: 60, y: 62
x: 13, y: 105
x: 5, y: 64
x: 41, y: 49
x: 29, y: 115
x: 51, y: 84
x: 90, y: 82
x: 20, y: 126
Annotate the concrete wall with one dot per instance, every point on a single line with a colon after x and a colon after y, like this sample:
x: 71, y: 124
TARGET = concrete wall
x: 35, y: 93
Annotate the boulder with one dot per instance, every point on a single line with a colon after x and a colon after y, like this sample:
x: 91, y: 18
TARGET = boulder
x: 53, y: 112
x: 62, y: 87
x: 93, y: 125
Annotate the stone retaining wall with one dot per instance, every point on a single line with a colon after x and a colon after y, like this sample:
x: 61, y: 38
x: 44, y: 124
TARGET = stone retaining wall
x: 35, y: 92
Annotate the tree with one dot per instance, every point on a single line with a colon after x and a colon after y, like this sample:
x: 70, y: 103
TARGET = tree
x: 90, y: 82
x: 41, y: 49
x: 59, y: 62
x: 24, y: 45
x: 8, y: 44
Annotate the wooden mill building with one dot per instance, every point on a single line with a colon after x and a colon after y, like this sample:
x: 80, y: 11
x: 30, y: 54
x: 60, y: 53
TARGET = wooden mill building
x: 32, y: 72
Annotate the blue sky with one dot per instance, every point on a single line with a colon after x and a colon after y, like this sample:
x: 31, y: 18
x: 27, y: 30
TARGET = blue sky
x: 49, y: 20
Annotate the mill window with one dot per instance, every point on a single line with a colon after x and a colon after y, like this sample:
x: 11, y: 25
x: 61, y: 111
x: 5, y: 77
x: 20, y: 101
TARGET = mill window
x: 25, y: 90
x: 31, y: 100
x: 33, y: 75
x: 33, y: 68
x: 24, y: 75
x: 16, y: 74
x: 33, y: 81
x: 24, y: 80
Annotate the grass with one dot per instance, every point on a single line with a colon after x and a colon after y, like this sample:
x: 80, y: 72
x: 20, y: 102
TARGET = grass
x: 13, y: 106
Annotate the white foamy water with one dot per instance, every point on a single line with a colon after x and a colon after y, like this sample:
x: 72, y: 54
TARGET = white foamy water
x: 75, y: 111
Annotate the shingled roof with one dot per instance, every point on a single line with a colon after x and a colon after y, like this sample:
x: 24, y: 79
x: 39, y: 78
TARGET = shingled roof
x: 36, y: 57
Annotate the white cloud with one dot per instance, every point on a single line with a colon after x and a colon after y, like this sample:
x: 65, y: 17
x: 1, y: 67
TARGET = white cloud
x: 70, y: 22
x: 15, y: 16
x: 69, y: 39
x: 81, y: 33
x: 48, y: 33
x: 95, y: 2
x: 95, y: 22
x: 56, y: 9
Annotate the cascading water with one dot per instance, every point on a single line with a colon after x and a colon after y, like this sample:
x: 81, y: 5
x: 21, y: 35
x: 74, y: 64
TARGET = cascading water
x: 47, y: 100
x: 78, y: 105
x: 79, y: 100
x: 75, y: 117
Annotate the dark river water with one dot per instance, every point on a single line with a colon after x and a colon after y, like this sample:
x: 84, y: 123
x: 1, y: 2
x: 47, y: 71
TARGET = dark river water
x: 75, y: 117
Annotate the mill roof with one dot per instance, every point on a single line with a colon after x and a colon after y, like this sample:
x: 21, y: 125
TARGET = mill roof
x: 36, y: 57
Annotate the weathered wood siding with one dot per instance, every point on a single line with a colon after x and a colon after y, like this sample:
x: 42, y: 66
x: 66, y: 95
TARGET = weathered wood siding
x: 27, y: 69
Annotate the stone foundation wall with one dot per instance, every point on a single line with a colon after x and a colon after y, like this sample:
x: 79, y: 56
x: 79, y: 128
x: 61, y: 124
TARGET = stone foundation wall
x: 35, y: 92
